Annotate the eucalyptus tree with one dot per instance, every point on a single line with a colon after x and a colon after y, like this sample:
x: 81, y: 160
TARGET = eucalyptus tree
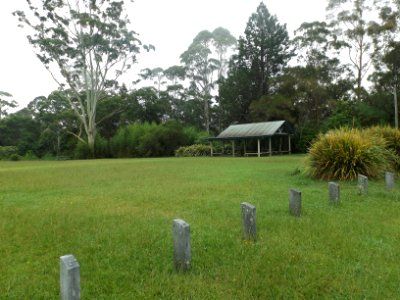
x: 350, y: 19
x: 200, y: 67
x: 86, y: 45
x: 6, y: 103
x: 155, y: 74
x: 223, y: 41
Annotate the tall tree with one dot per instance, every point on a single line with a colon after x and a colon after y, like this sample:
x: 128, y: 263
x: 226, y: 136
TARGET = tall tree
x: 223, y: 41
x: 6, y: 103
x: 157, y: 75
x: 350, y: 20
x: 263, y: 52
x: 200, y: 68
x: 265, y: 48
x: 90, y: 45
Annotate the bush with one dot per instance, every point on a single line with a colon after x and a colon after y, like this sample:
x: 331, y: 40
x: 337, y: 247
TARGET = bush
x: 149, y: 139
x: 344, y: 153
x: 82, y: 150
x: 392, y: 138
x: 193, y: 151
x: 7, y: 151
x: 15, y: 157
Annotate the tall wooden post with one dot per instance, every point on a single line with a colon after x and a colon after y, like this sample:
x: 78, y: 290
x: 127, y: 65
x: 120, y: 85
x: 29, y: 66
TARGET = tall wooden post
x: 233, y: 148
x: 211, y: 148
x: 259, y: 147
x: 270, y: 146
x: 290, y: 145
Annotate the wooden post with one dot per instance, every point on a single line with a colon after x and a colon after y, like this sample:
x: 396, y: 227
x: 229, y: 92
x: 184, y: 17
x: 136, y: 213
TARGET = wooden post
x: 182, y: 249
x: 290, y: 145
x: 70, y: 279
x: 259, y: 147
x: 245, y: 148
x: 212, y: 150
x: 249, y: 221
x: 233, y: 148
x: 270, y: 146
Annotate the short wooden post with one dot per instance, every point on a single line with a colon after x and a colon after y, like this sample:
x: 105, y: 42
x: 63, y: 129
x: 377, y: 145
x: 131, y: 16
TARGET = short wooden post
x: 334, y: 192
x: 258, y: 147
x: 211, y: 148
x: 70, y: 278
x: 290, y: 145
x: 233, y: 148
x: 295, y: 202
x: 389, y: 180
x: 182, y: 249
x: 362, y: 184
x: 249, y: 221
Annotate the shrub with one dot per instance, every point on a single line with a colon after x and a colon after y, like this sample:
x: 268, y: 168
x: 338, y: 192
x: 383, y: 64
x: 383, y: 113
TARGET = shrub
x: 15, y: 157
x: 193, y: 151
x: 7, y: 151
x: 150, y: 139
x: 392, y: 138
x: 344, y: 153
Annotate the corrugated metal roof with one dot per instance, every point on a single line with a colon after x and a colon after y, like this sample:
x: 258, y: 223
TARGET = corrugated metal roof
x: 252, y: 130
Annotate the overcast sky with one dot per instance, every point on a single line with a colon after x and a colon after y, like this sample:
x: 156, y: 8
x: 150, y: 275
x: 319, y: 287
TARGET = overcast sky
x: 170, y: 25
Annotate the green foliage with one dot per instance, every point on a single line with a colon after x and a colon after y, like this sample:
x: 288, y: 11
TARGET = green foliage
x: 152, y: 140
x: 15, y: 157
x: 7, y: 151
x: 303, y: 138
x: 193, y: 151
x: 391, y: 137
x: 101, y: 149
x: 91, y: 44
x: 344, y: 153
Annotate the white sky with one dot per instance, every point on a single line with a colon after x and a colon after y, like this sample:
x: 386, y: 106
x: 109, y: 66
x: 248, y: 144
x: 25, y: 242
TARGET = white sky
x: 170, y: 25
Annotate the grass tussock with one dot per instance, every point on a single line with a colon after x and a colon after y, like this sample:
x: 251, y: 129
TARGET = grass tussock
x: 344, y: 153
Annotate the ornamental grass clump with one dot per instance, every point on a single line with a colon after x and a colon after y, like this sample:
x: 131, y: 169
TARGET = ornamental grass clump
x: 392, y: 138
x: 344, y: 153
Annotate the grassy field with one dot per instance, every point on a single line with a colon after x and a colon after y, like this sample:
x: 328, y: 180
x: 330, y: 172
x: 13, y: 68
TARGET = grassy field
x: 116, y: 216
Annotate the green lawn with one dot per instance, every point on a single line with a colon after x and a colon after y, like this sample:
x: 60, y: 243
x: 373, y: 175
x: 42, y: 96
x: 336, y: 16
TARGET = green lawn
x: 116, y: 216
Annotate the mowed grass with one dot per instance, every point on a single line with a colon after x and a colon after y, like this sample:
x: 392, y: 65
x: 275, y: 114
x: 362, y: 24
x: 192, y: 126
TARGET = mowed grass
x: 116, y: 216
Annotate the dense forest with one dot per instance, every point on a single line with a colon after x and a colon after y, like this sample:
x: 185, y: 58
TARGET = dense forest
x: 341, y: 72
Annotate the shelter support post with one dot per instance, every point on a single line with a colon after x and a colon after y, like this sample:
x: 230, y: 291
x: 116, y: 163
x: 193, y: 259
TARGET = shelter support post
x: 290, y: 145
x: 245, y: 152
x: 233, y: 148
x: 258, y: 148
x: 211, y: 148
x: 270, y: 146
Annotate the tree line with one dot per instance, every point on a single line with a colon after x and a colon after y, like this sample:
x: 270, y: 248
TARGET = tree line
x: 339, y: 72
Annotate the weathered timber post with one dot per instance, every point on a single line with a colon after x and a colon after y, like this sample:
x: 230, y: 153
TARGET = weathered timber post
x: 295, y: 202
x: 334, y: 192
x: 362, y: 184
x: 233, y: 148
x: 258, y: 147
x: 70, y: 280
x: 182, y: 250
x: 249, y: 221
x: 389, y: 180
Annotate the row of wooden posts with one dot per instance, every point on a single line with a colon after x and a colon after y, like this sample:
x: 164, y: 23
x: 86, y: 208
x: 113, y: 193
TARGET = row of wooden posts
x: 70, y: 269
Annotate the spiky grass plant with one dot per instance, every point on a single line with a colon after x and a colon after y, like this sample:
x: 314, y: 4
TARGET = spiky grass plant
x: 343, y: 153
x: 392, y: 138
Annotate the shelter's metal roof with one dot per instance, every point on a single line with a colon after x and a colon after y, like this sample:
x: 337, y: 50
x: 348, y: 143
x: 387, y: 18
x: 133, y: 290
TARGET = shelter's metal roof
x: 253, y: 130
